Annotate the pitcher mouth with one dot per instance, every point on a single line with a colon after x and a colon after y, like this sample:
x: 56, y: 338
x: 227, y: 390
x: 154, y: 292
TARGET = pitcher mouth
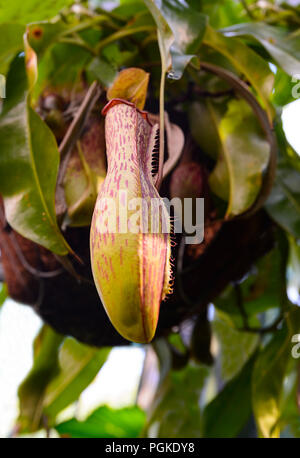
x: 117, y: 101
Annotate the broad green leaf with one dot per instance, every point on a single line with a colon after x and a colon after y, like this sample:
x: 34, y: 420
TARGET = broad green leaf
x: 260, y: 290
x: 267, y: 384
x: 165, y: 38
x: 11, y: 42
x: 79, y: 365
x: 57, y: 378
x: 28, y: 166
x: 268, y: 376
x: 176, y: 410
x: 236, y: 346
x: 129, y: 8
x: 247, y: 62
x: 139, y: 24
x: 283, y: 88
x: 180, y: 31
x: 117, y: 57
x: 30, y: 10
x: 205, y: 117
x: 283, y: 204
x: 188, y: 27
x: 102, y: 71
x: 42, y: 34
x: 237, y: 176
x: 130, y: 84
x: 105, y: 422
x: 164, y: 34
x: 60, y: 68
x: 282, y: 46
x: 290, y: 417
x: 32, y: 389
x: 221, y: 13
x: 228, y: 412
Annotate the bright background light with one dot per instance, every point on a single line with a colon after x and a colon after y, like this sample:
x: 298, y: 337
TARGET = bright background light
x: 18, y: 326
x: 115, y: 385
x: 291, y: 124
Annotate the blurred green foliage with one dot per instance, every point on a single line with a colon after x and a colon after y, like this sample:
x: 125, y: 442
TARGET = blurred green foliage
x: 254, y: 373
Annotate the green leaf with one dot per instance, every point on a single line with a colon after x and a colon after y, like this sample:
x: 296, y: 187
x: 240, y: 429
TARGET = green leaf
x: 32, y: 389
x: 105, y: 422
x: 164, y: 34
x: 221, y: 13
x: 236, y: 346
x: 290, y: 417
x: 117, y: 57
x: 30, y: 10
x: 138, y: 24
x: 247, y: 62
x: 283, y: 204
x: 260, y: 290
x: 83, y: 35
x: 268, y: 376
x: 57, y: 378
x: 42, y: 34
x: 237, y: 176
x: 28, y: 166
x: 180, y: 32
x: 283, y: 47
x: 102, y: 71
x: 188, y: 27
x: 129, y: 8
x: 79, y: 364
x: 205, y: 117
x: 175, y: 410
x: 283, y: 88
x: 228, y: 412
x: 61, y: 67
x: 11, y: 42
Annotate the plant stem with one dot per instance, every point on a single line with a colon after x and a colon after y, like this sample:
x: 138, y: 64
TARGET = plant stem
x: 247, y: 9
x: 111, y: 15
x: 238, y: 85
x: 84, y: 25
x: 78, y: 42
x: 121, y: 34
x: 271, y: 328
